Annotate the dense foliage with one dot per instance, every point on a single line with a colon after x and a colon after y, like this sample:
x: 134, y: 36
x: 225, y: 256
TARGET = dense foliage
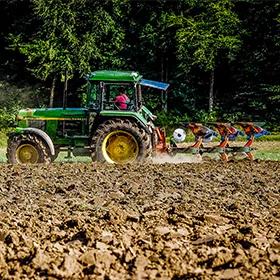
x: 220, y: 56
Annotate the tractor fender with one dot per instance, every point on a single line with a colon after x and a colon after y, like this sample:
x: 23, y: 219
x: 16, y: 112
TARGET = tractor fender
x: 147, y: 128
x: 43, y: 135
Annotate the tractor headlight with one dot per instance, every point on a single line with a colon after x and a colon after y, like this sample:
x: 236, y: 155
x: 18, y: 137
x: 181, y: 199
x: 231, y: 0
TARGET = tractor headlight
x: 179, y: 135
x: 19, y: 117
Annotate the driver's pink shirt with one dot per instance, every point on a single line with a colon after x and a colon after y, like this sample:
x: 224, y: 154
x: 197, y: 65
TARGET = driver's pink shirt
x: 121, y: 100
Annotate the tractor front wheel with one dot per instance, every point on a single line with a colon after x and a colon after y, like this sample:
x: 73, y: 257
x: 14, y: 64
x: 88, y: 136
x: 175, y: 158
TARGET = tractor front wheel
x: 27, y: 149
x: 120, y: 141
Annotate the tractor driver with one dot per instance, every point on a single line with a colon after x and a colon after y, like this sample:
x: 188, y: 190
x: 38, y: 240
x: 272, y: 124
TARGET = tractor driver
x: 121, y: 99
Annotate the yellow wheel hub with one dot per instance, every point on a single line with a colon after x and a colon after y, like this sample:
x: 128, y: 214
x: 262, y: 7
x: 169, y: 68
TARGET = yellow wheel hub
x: 27, y: 153
x: 120, y: 147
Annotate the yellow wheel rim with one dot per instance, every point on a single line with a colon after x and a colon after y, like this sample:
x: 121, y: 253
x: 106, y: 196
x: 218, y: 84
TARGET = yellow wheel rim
x: 27, y: 153
x: 120, y: 147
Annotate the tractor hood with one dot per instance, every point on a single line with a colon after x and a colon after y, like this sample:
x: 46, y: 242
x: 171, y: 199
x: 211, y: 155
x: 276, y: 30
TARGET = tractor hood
x: 52, y: 114
x: 154, y: 84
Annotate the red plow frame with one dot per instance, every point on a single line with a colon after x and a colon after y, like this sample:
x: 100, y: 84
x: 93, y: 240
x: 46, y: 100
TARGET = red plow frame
x: 227, y: 131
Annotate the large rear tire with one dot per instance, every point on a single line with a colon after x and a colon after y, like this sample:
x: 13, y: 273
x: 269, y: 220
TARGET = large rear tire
x: 120, y: 141
x: 27, y: 149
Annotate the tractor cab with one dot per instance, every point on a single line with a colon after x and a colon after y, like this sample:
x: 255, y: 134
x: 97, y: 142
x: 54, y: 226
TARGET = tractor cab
x: 103, y: 96
x: 104, y: 87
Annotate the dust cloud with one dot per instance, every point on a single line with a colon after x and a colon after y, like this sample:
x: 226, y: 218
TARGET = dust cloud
x: 179, y: 158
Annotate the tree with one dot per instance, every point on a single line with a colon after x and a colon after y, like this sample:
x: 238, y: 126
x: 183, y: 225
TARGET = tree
x: 252, y: 82
x: 206, y: 29
x: 71, y: 37
x: 149, y: 43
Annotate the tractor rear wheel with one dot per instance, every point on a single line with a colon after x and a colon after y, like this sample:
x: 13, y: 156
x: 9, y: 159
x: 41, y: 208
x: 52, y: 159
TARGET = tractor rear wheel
x: 27, y: 149
x: 120, y: 141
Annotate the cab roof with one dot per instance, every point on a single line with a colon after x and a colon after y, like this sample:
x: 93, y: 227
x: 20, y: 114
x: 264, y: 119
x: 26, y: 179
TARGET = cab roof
x: 125, y: 76
x: 114, y: 76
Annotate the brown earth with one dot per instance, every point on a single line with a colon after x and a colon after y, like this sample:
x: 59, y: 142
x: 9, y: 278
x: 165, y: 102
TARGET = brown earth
x: 172, y: 221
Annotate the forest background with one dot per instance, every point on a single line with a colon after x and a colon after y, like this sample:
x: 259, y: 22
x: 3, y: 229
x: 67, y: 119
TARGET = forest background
x: 221, y: 57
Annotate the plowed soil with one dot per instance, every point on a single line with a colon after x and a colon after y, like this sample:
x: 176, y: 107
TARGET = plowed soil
x: 170, y: 221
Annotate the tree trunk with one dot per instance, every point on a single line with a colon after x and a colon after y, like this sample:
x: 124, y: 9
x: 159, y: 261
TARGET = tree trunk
x: 163, y: 93
x: 166, y: 79
x: 52, y: 91
x: 65, y: 91
x: 211, y: 90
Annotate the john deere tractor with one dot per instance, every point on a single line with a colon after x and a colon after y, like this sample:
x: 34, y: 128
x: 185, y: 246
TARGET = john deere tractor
x: 99, y: 129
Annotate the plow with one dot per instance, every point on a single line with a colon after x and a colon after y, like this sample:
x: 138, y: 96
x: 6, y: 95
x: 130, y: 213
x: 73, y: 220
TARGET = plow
x: 203, y: 135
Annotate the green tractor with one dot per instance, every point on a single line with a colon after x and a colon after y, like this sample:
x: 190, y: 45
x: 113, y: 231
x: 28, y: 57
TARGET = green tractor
x: 101, y: 129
